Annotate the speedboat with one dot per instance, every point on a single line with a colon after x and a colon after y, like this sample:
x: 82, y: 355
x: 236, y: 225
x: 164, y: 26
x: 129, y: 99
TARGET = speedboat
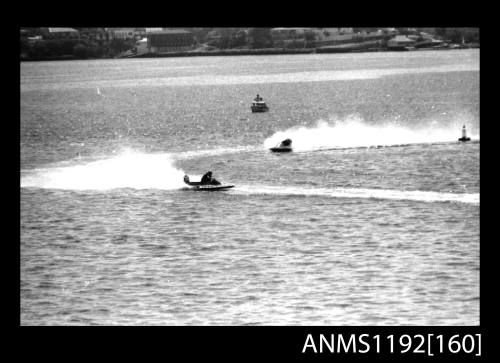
x: 284, y: 146
x: 215, y: 185
x: 258, y: 105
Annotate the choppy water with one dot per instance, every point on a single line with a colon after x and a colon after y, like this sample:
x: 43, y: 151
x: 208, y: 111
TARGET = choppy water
x: 372, y: 220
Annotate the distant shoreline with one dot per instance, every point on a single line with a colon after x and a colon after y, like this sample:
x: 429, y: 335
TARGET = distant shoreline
x: 243, y: 52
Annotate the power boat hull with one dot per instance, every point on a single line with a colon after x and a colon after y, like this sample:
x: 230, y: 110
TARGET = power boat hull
x: 212, y: 188
x: 207, y: 187
x: 281, y: 149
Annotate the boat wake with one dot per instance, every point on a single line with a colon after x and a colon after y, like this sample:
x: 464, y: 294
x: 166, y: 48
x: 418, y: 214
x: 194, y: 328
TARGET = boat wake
x: 138, y: 170
x: 415, y: 195
x: 353, y: 132
x: 215, y: 152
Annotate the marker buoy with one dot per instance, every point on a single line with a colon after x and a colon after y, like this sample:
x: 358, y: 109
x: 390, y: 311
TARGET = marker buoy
x: 464, y: 135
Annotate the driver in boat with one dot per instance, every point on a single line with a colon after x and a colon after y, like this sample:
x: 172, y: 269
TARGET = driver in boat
x: 258, y: 98
x: 207, y: 179
x: 286, y: 143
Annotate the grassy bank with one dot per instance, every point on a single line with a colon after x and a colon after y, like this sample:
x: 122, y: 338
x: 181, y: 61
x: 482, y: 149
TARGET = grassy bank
x: 234, y: 52
x: 265, y: 51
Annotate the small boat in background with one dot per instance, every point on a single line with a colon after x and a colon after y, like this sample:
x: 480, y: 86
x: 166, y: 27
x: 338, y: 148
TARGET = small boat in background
x: 258, y: 105
x: 464, y: 135
x: 284, y: 146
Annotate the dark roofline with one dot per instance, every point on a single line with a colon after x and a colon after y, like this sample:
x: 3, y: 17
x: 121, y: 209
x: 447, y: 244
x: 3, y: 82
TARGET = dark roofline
x: 172, y: 31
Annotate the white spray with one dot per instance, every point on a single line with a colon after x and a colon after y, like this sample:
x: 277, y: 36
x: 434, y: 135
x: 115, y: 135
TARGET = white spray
x: 130, y: 169
x: 354, y: 132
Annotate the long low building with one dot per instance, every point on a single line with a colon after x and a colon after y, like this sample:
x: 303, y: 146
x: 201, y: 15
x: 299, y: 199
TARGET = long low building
x: 400, y: 41
x: 61, y: 33
x: 170, y: 41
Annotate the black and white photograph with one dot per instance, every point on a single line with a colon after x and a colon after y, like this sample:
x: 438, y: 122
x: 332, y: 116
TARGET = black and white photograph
x: 249, y: 176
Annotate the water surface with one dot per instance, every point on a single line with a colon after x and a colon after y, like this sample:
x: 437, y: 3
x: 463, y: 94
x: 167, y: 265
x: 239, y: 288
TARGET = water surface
x: 372, y: 220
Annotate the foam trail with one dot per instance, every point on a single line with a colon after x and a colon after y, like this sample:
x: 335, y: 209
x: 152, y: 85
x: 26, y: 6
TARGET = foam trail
x: 214, y: 152
x: 128, y: 170
x: 353, y: 132
x: 416, y: 195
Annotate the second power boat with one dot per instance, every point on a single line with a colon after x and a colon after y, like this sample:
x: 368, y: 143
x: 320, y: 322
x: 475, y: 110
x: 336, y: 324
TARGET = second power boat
x: 284, y: 146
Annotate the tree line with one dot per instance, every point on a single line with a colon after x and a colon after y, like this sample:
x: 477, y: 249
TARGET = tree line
x: 457, y: 35
x: 73, y: 48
